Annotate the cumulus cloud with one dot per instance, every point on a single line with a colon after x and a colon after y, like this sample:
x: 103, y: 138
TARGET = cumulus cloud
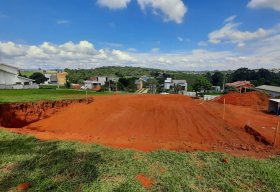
x: 264, y: 52
x: 114, y: 4
x: 230, y: 33
x: 123, y: 56
x: 273, y: 4
x: 171, y: 10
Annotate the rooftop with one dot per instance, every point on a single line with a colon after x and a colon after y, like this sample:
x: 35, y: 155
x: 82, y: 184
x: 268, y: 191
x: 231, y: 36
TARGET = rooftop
x: 275, y: 100
x: 269, y: 88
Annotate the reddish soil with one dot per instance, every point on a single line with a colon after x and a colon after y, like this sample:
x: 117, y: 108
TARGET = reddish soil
x: 22, y: 114
x: 149, y: 122
x: 256, y: 100
x: 145, y: 181
x: 23, y: 186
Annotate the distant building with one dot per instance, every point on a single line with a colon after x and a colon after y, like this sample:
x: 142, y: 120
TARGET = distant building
x: 272, y: 91
x: 171, y: 84
x: 56, y: 79
x: 61, y: 78
x: 10, y: 79
x: 274, y: 106
x: 140, y: 82
x: 240, y: 85
x: 95, y: 83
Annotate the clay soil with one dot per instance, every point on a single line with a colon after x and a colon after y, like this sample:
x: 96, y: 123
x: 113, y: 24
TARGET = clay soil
x: 150, y: 122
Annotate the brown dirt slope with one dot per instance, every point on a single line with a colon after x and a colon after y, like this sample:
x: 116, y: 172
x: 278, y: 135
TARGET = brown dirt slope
x: 250, y: 99
x: 148, y: 122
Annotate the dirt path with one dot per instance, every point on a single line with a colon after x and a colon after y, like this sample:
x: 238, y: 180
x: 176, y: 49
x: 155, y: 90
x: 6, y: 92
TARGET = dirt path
x: 148, y: 122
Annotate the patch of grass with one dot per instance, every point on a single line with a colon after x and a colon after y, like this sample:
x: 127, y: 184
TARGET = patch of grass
x: 11, y: 96
x: 72, y: 166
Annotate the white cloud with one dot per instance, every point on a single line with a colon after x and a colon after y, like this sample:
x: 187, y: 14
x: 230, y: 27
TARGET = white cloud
x: 155, y: 50
x: 171, y: 10
x: 114, y: 4
x: 273, y: 4
x: 230, y: 19
x: 62, y: 22
x: 263, y: 52
x: 231, y: 34
x: 132, y: 49
x: 180, y: 39
x: 123, y: 56
x: 202, y: 44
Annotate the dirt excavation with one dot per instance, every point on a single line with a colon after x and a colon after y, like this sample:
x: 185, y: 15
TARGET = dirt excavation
x: 150, y: 122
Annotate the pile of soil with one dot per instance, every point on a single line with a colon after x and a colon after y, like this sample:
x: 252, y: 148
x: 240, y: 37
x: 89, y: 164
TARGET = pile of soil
x: 250, y: 99
x: 150, y: 122
x: 21, y: 114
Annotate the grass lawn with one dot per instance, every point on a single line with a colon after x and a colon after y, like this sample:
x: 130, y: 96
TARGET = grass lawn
x: 72, y: 166
x: 9, y: 96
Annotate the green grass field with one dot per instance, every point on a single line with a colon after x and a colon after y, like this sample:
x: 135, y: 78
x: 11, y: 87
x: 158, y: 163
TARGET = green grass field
x: 72, y: 166
x: 11, y: 96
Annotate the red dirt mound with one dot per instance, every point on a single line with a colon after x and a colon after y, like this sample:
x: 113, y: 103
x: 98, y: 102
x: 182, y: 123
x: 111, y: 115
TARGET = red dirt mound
x: 22, y: 114
x: 250, y: 99
x: 149, y: 122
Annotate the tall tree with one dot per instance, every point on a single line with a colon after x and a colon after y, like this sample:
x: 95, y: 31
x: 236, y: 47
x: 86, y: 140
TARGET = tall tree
x: 218, y: 78
x: 201, y: 84
x: 38, y: 77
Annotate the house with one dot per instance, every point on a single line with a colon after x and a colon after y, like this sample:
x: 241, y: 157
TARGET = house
x: 272, y: 91
x: 56, y: 79
x: 171, y: 84
x: 61, y: 78
x: 10, y: 79
x: 140, y: 82
x: 95, y: 83
x: 240, y: 85
x: 274, y: 106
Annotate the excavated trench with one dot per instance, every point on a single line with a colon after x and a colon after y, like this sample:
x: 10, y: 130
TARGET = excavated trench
x: 18, y: 115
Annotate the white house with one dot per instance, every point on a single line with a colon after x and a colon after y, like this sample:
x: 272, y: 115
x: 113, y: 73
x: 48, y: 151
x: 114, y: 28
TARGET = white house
x: 95, y: 83
x: 169, y: 84
x: 10, y: 79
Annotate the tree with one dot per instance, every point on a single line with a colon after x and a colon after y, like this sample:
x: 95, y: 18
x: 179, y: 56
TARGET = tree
x: 218, y: 78
x: 67, y: 84
x: 208, y: 76
x: 242, y: 74
x: 201, y: 85
x: 38, y: 77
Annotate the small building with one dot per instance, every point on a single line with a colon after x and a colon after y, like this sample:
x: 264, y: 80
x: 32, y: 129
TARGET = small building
x: 240, y: 85
x: 61, y: 78
x: 140, y: 82
x: 272, y: 91
x: 10, y: 79
x: 171, y: 84
x: 167, y: 83
x: 95, y: 83
x: 274, y: 106
x: 101, y: 80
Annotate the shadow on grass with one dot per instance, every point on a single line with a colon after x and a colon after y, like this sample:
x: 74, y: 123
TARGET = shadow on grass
x: 47, y: 166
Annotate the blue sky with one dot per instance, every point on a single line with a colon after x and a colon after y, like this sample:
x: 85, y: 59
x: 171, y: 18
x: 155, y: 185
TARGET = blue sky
x: 168, y: 34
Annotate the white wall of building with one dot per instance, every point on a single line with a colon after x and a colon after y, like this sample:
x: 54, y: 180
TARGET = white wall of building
x: 7, y: 78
